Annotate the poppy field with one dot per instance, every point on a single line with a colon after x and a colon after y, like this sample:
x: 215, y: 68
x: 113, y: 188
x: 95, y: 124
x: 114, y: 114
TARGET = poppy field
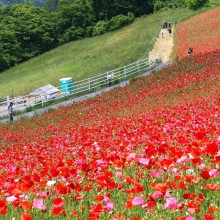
x: 200, y: 32
x: 149, y: 150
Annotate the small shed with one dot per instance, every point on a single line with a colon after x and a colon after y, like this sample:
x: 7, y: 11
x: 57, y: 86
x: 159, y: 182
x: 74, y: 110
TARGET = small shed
x: 48, y: 92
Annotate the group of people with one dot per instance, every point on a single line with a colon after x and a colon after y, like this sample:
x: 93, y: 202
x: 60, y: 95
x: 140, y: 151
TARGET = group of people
x: 167, y: 25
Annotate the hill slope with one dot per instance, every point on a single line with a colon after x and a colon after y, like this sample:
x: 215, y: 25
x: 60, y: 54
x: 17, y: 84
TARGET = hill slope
x: 84, y: 58
x: 150, y: 150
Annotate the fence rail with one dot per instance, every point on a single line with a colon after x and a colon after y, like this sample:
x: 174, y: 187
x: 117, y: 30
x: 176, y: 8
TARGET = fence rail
x: 82, y: 86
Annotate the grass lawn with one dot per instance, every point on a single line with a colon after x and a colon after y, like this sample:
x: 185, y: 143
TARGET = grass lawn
x: 84, y: 58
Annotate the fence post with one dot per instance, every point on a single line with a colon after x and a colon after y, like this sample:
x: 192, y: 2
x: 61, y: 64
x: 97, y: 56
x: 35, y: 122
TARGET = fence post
x: 107, y: 78
x: 89, y: 85
x: 159, y: 57
x: 125, y: 72
x: 42, y: 101
x: 138, y: 66
x: 8, y: 100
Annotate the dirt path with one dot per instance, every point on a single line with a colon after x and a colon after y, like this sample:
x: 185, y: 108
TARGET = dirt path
x: 163, y: 45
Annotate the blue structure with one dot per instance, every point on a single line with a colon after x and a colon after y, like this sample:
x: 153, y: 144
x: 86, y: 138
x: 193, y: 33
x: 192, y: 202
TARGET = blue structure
x: 66, y: 85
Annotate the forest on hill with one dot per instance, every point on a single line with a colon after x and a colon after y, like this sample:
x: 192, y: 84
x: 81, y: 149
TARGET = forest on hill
x: 28, y: 30
x: 10, y: 2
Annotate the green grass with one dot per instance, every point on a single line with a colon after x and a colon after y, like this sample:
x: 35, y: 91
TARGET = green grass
x: 85, y: 58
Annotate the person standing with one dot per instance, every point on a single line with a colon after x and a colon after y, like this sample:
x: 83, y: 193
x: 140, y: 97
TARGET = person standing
x: 11, y: 111
x: 170, y: 31
x: 161, y: 33
x: 190, y: 51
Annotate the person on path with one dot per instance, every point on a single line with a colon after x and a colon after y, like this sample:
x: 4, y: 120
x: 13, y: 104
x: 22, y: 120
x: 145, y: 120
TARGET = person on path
x: 190, y: 51
x: 162, y: 33
x: 11, y: 111
x: 170, y: 31
x: 168, y: 24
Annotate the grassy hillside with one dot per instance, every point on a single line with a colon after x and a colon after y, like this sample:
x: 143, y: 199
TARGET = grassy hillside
x: 84, y: 58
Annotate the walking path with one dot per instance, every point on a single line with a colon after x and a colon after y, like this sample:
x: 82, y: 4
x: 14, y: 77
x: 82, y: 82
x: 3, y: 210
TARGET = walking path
x: 163, y: 45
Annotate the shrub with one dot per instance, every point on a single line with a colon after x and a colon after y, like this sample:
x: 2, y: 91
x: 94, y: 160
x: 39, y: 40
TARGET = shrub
x: 101, y: 27
x: 116, y: 22
x: 73, y: 33
x: 120, y: 20
x: 195, y: 4
x: 159, y: 5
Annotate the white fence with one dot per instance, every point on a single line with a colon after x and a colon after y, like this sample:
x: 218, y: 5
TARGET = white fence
x: 83, y: 86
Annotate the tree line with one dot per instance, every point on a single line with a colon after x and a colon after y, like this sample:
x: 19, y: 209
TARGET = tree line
x: 27, y: 30
x: 10, y: 2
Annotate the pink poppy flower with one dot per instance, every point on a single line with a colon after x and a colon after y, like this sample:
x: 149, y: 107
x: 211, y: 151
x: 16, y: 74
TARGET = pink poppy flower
x: 190, y: 218
x: 137, y: 201
x: 158, y: 194
x: 11, y: 199
x: 213, y: 172
x: 109, y: 206
x: 39, y: 204
x: 106, y: 199
x: 171, y: 203
x: 154, y: 174
x: 144, y: 161
x: 131, y: 156
x: 119, y: 175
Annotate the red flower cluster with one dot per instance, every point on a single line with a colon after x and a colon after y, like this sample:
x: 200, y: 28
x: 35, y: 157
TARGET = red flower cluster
x: 150, y: 149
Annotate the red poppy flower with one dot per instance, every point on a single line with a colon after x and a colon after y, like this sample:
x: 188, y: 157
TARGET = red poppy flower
x: 152, y: 204
x: 128, y: 205
x: 26, y: 205
x: 58, y: 202
x: 58, y: 211
x: 205, y: 175
x: 3, y: 207
x: 213, y: 209
x: 212, y: 148
x: 189, y: 195
x: 99, y: 198
x: 74, y: 213
x: 208, y: 217
x: 135, y: 218
x: 194, y: 204
x: 211, y: 186
x: 26, y: 216
x: 159, y: 187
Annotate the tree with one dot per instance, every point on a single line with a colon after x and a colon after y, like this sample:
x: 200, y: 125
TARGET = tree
x: 10, y: 49
x: 30, y: 32
x: 52, y: 5
x: 195, y: 4
x: 73, y: 20
x: 106, y: 9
